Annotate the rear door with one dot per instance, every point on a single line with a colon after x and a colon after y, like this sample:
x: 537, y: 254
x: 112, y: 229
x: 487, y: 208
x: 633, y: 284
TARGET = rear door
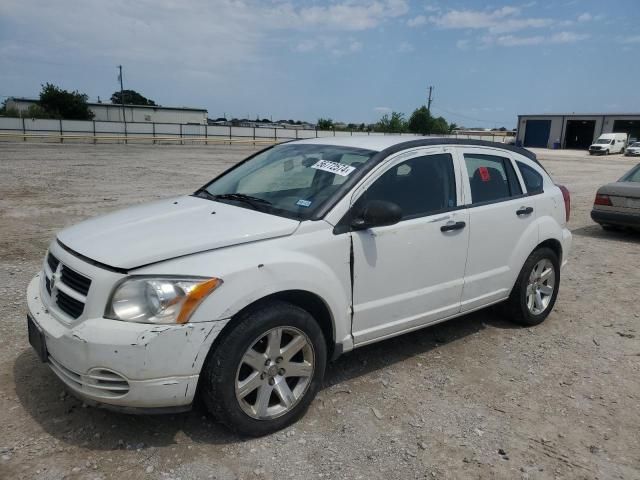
x: 501, y: 225
x: 410, y: 274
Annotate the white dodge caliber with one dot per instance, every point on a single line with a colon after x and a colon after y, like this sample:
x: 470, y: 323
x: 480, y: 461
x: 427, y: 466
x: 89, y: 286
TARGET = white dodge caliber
x: 241, y: 292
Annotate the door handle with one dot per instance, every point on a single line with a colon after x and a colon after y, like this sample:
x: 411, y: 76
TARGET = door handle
x: 524, y: 211
x: 453, y: 226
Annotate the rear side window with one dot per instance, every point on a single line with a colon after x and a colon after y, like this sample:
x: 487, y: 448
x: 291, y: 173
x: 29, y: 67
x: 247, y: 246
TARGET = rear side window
x: 632, y: 176
x: 491, y: 177
x: 532, y: 179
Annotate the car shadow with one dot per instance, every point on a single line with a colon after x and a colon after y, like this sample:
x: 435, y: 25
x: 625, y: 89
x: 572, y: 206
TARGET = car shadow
x: 626, y: 235
x: 68, y: 420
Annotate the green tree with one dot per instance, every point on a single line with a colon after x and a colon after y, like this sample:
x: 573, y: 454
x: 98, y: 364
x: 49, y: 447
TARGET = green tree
x: 394, y: 123
x: 131, y: 97
x: 325, y: 124
x: 36, y: 111
x: 440, y: 126
x: 59, y: 103
x: 420, y: 121
x: 423, y: 123
x: 452, y: 127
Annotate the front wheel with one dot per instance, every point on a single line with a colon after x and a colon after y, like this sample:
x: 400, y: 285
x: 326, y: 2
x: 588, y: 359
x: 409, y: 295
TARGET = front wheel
x: 536, y: 288
x: 266, y: 370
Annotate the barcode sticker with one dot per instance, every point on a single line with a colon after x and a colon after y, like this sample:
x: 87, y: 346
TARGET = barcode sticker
x: 333, y: 167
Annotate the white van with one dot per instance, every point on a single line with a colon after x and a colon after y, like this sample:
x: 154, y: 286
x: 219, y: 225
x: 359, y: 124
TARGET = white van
x: 609, y: 143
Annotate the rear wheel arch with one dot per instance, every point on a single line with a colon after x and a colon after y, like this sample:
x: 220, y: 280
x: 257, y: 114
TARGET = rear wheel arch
x: 554, y: 245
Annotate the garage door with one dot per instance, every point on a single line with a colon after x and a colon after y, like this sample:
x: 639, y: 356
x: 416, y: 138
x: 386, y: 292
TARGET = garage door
x: 632, y: 127
x: 536, y: 133
x: 580, y: 134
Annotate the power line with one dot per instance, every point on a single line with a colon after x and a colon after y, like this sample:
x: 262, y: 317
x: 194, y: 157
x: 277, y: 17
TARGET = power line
x: 471, y: 118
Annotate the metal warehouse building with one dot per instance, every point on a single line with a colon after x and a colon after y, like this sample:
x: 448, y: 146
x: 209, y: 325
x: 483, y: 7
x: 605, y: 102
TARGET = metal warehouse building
x: 572, y: 130
x: 110, y: 112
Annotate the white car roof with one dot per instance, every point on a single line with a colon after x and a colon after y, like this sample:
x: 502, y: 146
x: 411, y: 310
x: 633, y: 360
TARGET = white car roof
x: 369, y: 142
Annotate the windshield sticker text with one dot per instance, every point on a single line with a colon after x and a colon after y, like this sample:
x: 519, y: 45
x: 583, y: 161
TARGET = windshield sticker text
x: 303, y: 203
x: 333, y: 167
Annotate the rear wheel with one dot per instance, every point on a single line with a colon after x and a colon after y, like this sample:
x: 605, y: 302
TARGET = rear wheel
x: 536, y: 288
x: 266, y: 371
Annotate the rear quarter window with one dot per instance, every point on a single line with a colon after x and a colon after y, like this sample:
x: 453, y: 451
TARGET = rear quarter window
x: 532, y: 179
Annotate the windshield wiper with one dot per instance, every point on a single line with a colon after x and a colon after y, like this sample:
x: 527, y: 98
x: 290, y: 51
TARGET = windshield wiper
x: 255, y: 202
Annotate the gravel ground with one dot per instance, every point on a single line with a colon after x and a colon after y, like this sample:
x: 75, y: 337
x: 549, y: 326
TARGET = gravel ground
x: 472, y: 398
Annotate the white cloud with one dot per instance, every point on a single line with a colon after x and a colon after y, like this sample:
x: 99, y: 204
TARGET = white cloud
x: 348, y: 15
x: 502, y: 20
x: 519, y: 41
x: 463, y: 44
x: 630, y: 39
x: 205, y: 38
x: 306, y: 46
x: 334, y: 45
x: 417, y: 21
x: 567, y: 37
x: 382, y: 110
x: 585, y: 17
x: 406, y: 47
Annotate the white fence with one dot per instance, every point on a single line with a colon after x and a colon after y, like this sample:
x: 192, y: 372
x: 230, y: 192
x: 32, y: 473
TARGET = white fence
x: 28, y: 129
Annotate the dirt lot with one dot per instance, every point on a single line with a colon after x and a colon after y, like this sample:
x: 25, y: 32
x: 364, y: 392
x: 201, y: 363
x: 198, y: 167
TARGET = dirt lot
x: 472, y: 398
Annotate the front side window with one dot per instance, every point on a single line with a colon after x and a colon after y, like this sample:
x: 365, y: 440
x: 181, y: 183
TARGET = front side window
x: 420, y: 186
x: 532, y: 179
x: 491, y: 178
x: 288, y: 180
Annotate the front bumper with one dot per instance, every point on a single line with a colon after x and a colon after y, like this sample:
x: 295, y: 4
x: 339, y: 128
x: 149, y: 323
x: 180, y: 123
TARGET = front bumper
x: 133, y: 366
x: 615, y: 218
x: 635, y: 153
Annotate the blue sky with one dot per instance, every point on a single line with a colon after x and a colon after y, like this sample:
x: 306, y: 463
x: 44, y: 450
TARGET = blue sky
x: 350, y: 60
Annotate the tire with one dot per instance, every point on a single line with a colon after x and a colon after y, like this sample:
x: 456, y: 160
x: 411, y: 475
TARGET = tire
x: 519, y: 305
x: 236, y: 364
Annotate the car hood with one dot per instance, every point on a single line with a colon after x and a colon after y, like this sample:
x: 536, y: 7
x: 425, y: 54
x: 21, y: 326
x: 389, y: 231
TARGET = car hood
x: 621, y: 189
x: 165, y: 229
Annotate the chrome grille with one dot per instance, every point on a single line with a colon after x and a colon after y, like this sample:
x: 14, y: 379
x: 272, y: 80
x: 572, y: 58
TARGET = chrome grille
x: 69, y: 305
x: 74, y: 280
x: 68, y: 289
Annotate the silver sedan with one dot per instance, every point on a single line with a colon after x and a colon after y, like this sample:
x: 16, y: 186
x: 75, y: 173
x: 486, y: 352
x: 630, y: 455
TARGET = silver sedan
x: 618, y: 204
x: 633, y: 149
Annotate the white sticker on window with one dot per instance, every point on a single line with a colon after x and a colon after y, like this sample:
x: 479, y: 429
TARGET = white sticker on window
x: 333, y: 167
x: 303, y: 203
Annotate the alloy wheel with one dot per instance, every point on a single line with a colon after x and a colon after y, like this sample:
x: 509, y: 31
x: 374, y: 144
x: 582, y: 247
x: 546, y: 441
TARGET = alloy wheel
x: 540, y: 288
x: 274, y: 373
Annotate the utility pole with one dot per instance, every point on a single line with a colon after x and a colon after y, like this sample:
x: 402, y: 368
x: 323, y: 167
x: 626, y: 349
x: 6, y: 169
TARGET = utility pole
x: 124, y: 117
x: 430, y: 99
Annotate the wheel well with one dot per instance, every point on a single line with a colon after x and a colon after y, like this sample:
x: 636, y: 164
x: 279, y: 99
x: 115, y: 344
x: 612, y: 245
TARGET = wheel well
x: 316, y: 307
x: 554, y: 245
x: 308, y: 301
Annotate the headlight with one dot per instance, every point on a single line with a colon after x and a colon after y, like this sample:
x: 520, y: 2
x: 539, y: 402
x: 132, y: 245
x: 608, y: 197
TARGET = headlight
x: 158, y: 299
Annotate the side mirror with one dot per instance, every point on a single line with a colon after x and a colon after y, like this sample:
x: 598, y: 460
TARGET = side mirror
x: 377, y: 213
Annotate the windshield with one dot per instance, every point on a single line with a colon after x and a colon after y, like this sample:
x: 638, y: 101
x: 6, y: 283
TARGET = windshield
x: 604, y: 141
x: 635, y: 144
x: 291, y: 180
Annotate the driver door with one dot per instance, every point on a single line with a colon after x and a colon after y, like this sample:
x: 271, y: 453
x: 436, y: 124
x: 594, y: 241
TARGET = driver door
x: 410, y: 274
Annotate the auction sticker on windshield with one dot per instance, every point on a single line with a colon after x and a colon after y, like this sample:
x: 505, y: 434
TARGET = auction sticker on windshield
x: 333, y: 167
